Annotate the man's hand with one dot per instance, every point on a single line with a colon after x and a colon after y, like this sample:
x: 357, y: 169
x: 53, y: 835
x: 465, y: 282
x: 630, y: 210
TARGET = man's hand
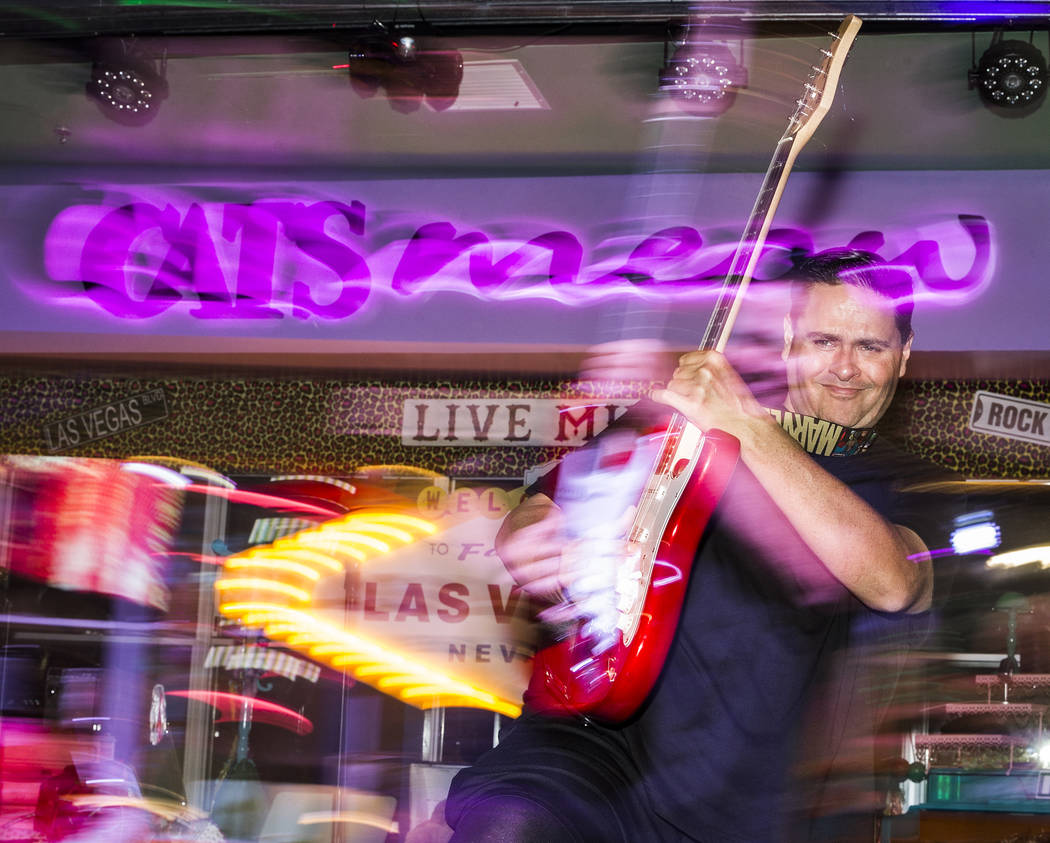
x: 707, y: 390
x: 537, y: 550
x: 627, y: 361
x: 530, y: 542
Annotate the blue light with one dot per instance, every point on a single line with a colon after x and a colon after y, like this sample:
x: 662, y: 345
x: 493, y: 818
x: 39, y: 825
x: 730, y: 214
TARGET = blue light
x: 974, y: 533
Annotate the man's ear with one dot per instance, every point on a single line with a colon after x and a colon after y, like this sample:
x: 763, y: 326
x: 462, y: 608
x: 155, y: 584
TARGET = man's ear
x: 789, y: 335
x: 905, y: 354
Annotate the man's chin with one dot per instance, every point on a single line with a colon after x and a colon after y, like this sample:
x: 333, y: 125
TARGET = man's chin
x: 847, y: 417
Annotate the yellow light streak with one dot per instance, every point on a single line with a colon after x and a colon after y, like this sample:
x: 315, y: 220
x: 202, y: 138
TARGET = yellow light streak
x: 348, y: 550
x: 372, y: 662
x: 347, y: 538
x: 1025, y: 556
x: 164, y: 808
x: 296, y: 639
x: 282, y: 629
x: 290, y: 548
x: 424, y: 691
x: 401, y: 670
x: 237, y: 563
x: 398, y: 469
x: 254, y: 620
x: 252, y: 608
x: 413, y: 521
x: 351, y: 659
x: 500, y: 707
x: 371, y: 670
x: 260, y: 584
x: 397, y: 680
x: 355, y: 817
x: 364, y: 526
x: 327, y: 649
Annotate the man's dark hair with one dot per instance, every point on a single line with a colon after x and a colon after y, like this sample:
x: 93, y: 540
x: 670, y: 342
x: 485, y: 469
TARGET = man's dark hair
x: 856, y: 268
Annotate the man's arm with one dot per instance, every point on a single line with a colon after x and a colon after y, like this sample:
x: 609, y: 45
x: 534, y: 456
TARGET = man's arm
x: 885, y: 566
x: 529, y: 543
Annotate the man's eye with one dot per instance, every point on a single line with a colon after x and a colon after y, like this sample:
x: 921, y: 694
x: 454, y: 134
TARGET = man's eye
x: 823, y: 343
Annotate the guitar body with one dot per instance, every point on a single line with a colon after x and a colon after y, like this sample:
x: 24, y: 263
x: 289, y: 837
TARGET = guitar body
x: 612, y: 685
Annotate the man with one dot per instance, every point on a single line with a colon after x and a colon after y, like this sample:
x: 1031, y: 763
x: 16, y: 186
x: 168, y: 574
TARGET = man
x: 803, y: 551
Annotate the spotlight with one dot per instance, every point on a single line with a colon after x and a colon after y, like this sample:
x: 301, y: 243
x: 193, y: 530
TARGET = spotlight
x: 128, y: 87
x: 975, y: 532
x: 1011, y: 77
x: 703, y: 77
x: 407, y: 73
x: 405, y: 48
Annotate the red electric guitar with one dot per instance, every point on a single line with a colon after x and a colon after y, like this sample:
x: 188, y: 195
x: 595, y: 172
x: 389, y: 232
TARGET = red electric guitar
x: 607, y: 663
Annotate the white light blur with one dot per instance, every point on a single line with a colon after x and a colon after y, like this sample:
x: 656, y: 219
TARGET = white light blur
x: 1025, y: 556
x: 159, y: 473
x: 1044, y: 755
x: 975, y: 537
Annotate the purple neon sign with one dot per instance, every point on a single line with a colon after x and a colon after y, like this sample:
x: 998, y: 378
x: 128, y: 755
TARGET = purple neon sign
x: 313, y: 261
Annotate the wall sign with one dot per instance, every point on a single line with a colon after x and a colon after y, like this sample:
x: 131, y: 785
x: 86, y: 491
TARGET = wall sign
x: 273, y: 258
x: 506, y: 421
x: 106, y: 420
x: 1012, y: 418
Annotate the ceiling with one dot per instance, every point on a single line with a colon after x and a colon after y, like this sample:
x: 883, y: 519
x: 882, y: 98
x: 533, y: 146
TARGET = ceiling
x: 256, y: 97
x: 66, y: 18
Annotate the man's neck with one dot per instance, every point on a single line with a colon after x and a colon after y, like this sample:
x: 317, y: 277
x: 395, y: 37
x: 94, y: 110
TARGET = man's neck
x: 822, y: 437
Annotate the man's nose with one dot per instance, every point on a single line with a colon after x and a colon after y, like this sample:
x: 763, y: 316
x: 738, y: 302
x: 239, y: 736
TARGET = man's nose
x: 844, y: 366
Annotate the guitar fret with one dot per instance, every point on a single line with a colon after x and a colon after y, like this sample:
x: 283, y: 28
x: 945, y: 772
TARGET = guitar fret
x: 667, y: 454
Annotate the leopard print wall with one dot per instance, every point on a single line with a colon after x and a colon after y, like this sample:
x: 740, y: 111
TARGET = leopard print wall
x: 334, y: 426
x: 266, y: 425
x: 931, y: 419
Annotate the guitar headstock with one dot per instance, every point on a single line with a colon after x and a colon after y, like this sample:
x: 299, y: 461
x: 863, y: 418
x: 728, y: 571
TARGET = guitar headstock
x: 819, y: 90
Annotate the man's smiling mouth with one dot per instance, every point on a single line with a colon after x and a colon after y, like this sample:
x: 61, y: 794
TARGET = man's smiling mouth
x: 842, y: 391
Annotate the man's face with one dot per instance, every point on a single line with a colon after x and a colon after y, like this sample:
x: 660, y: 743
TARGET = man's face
x: 844, y: 356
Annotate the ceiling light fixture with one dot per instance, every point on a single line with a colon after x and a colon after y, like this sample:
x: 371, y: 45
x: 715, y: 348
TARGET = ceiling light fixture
x: 1011, y: 77
x: 405, y: 71
x: 702, y: 76
x: 127, y: 84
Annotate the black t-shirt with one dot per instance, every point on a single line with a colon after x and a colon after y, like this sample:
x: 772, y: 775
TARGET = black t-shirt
x: 763, y: 626
x: 761, y: 629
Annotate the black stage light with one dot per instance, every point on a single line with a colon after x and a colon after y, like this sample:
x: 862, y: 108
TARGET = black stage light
x: 1011, y: 77
x: 407, y: 73
x: 128, y: 88
x: 702, y: 77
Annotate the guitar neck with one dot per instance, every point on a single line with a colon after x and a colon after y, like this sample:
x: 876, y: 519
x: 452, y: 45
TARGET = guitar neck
x: 817, y: 96
x: 747, y: 252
